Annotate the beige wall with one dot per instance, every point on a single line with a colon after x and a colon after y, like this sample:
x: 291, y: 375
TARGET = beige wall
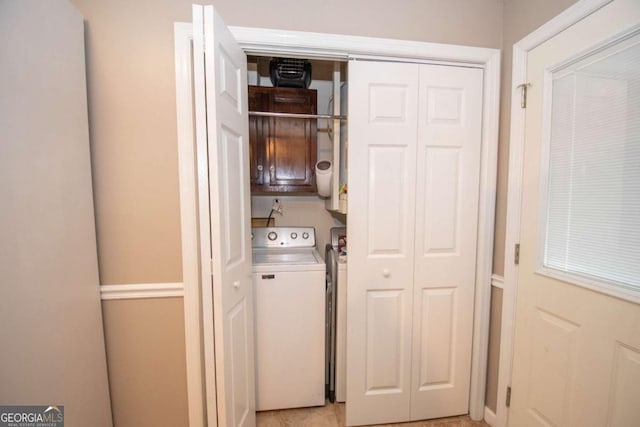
x: 146, y: 358
x: 470, y: 22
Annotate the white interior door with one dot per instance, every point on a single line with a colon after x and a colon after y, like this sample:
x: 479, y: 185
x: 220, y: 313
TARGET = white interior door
x: 446, y: 234
x: 577, y: 349
x: 383, y: 100
x: 220, y: 92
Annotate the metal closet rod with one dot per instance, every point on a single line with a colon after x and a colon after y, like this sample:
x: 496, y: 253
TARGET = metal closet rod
x: 297, y: 115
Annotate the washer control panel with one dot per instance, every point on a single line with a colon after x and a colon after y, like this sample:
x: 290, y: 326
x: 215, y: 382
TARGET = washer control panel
x: 283, y: 237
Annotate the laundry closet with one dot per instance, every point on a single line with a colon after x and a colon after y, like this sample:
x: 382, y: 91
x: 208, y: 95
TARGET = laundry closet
x: 411, y: 153
x: 295, y: 120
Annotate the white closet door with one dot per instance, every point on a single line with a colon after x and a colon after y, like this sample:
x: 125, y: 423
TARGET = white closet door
x: 448, y: 176
x: 383, y: 99
x: 222, y: 138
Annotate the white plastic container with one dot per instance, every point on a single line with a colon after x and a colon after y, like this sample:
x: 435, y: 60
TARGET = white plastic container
x: 324, y: 171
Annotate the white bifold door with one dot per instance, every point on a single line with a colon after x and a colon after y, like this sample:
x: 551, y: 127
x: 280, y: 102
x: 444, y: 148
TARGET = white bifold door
x: 414, y: 174
x: 222, y: 130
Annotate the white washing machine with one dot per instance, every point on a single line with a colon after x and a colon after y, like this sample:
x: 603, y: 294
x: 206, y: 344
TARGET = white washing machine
x: 289, y: 284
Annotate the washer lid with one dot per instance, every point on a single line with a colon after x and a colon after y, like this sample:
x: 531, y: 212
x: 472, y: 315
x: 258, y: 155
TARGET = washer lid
x: 279, y: 257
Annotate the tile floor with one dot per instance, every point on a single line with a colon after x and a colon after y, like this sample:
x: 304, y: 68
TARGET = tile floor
x: 332, y: 415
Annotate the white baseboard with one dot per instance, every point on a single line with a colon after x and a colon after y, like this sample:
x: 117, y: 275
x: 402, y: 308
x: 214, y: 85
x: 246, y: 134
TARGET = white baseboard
x: 489, y: 416
x: 141, y: 290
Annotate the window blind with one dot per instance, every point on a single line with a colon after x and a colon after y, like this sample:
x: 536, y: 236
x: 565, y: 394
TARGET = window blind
x: 593, y: 199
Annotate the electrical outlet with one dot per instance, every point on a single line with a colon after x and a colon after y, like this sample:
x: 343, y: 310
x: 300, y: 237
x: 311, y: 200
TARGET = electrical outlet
x: 276, y: 206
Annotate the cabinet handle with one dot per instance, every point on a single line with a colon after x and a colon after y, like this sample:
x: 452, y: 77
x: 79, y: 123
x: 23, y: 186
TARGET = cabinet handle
x: 260, y: 168
x: 272, y: 168
x: 236, y: 284
x: 386, y: 272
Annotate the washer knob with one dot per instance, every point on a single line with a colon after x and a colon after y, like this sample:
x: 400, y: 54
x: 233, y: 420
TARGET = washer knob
x: 294, y: 235
x: 305, y: 235
x: 272, y: 235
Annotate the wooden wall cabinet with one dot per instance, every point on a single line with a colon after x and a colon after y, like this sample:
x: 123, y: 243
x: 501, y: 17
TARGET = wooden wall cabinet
x: 283, y: 151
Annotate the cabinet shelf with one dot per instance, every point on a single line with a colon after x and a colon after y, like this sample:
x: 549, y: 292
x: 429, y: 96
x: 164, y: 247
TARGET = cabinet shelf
x: 297, y: 115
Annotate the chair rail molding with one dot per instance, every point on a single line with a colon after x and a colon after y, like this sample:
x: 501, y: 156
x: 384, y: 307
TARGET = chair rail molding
x: 141, y: 290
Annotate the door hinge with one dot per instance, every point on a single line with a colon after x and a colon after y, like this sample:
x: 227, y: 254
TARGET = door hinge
x: 508, y: 401
x: 516, y: 254
x: 211, y: 266
x: 523, y: 94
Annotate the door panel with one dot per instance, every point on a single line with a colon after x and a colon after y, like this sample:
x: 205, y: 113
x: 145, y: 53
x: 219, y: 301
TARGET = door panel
x: 436, y: 344
x: 572, y: 344
x: 448, y: 181
x: 232, y: 149
x: 239, y: 320
x: 223, y: 154
x: 386, y: 211
x: 621, y: 410
x: 384, y: 341
x: 441, y: 221
x: 383, y: 121
x: 553, y: 347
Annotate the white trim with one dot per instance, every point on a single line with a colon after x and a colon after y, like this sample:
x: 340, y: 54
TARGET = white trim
x: 569, y: 17
x: 489, y: 416
x: 141, y: 290
x: 486, y: 222
x: 497, y: 281
x: 331, y: 46
x: 201, y: 193
x: 622, y: 291
x: 189, y: 225
x: 263, y: 41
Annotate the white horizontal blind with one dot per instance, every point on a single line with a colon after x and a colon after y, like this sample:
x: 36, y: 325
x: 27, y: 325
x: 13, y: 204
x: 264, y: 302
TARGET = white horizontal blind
x: 593, y: 200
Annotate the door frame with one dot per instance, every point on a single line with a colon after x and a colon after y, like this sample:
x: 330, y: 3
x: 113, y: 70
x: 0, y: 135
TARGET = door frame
x: 556, y: 25
x: 330, y: 47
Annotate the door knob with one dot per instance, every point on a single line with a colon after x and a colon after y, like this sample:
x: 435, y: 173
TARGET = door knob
x: 386, y: 272
x: 260, y: 168
x: 236, y: 284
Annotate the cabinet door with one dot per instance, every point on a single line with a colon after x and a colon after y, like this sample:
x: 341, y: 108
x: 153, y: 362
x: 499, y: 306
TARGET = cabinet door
x: 292, y: 142
x: 258, y: 131
x: 383, y: 105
